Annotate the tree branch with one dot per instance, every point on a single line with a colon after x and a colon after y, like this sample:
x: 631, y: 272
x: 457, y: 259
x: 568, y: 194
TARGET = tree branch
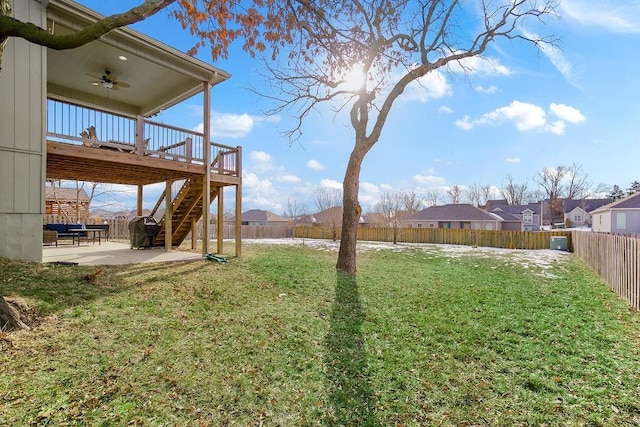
x: 11, y: 27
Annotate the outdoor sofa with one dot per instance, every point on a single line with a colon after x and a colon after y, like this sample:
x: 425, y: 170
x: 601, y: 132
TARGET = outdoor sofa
x: 63, y: 232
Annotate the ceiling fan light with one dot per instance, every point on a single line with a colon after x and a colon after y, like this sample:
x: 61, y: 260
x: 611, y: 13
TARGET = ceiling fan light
x: 122, y: 58
x: 94, y: 83
x: 108, y: 85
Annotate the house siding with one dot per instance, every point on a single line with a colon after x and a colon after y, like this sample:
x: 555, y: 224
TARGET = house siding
x: 22, y: 140
x: 578, y: 216
x: 601, y: 222
x: 632, y: 221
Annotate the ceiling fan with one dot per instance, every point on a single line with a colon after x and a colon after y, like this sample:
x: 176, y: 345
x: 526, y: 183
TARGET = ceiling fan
x: 109, y: 81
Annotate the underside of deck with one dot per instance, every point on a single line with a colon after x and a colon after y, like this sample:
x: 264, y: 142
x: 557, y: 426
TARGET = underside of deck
x: 72, y: 162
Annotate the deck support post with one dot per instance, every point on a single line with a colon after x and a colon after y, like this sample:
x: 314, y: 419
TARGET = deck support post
x: 140, y: 135
x: 194, y: 234
x: 139, y: 201
x: 238, y: 230
x: 220, y: 222
x: 206, y: 186
x: 168, y: 217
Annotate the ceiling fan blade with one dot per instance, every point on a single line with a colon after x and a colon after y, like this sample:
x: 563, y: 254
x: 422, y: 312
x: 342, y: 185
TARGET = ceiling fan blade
x: 123, y: 84
x: 115, y: 87
x: 93, y: 76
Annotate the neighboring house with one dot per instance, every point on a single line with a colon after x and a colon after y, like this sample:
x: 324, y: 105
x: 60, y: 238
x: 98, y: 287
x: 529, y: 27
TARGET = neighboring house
x: 491, y: 204
x: 510, y: 222
x: 528, y: 214
x: 330, y: 217
x: 460, y: 216
x: 619, y: 217
x: 69, y: 203
x: 374, y: 219
x: 578, y: 212
x: 263, y: 218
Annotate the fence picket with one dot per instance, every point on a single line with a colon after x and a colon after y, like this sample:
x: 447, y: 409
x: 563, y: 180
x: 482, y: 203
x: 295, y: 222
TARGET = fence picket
x: 613, y: 258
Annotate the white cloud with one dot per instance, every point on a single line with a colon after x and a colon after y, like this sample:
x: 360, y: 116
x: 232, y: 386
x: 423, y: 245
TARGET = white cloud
x: 556, y: 57
x: 262, y: 161
x: 567, y: 113
x: 288, y: 179
x: 445, y: 110
x: 526, y: 117
x: 512, y: 160
x: 612, y: 15
x: 330, y: 183
x: 252, y: 184
x: 231, y: 125
x: 487, y: 90
x: 465, y: 123
x: 557, y: 127
x: 260, y: 157
x: 369, y: 194
x: 315, y: 165
x: 432, y: 86
x: 429, y: 179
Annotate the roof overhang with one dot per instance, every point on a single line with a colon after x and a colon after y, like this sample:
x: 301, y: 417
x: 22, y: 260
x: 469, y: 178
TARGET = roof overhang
x: 159, y: 76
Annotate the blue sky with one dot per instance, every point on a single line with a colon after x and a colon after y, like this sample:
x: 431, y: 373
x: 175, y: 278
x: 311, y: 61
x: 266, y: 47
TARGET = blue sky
x: 521, y: 111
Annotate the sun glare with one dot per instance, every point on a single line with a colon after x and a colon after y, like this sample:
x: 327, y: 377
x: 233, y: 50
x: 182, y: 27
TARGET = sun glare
x: 354, y: 79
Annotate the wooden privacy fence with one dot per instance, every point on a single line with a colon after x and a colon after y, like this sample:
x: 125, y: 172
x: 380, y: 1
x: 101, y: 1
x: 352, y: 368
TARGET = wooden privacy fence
x: 615, y: 259
x: 490, y: 238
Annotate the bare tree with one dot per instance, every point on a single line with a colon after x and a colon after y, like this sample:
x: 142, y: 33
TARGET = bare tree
x: 411, y: 201
x: 578, y: 185
x: 390, y: 207
x: 486, y: 193
x: 295, y: 209
x: 533, y: 196
x: 512, y: 192
x: 390, y: 44
x: 550, y: 181
x: 455, y: 193
x: 596, y: 191
x: 396, y: 207
x: 432, y: 196
x: 474, y: 194
x: 329, y: 204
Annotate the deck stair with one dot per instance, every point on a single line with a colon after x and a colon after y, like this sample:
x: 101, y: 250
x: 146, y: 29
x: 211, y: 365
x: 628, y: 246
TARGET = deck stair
x: 187, y: 207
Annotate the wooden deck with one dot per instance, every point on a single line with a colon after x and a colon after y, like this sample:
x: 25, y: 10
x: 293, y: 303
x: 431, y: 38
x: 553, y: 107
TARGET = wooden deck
x: 77, y: 162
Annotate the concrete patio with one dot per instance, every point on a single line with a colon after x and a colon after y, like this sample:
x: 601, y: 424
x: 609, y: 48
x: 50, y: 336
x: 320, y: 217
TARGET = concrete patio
x: 111, y: 253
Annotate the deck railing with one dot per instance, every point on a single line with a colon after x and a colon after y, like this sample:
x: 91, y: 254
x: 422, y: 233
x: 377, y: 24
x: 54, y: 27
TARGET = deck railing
x: 79, y: 125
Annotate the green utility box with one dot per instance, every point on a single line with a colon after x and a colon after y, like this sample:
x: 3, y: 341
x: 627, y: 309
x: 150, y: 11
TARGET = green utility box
x: 559, y: 243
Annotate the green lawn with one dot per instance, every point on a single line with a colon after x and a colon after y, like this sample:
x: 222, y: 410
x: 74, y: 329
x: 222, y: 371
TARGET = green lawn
x: 424, y: 336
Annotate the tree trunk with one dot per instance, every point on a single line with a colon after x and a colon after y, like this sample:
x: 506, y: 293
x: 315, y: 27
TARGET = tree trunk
x: 9, y: 317
x: 351, y: 213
